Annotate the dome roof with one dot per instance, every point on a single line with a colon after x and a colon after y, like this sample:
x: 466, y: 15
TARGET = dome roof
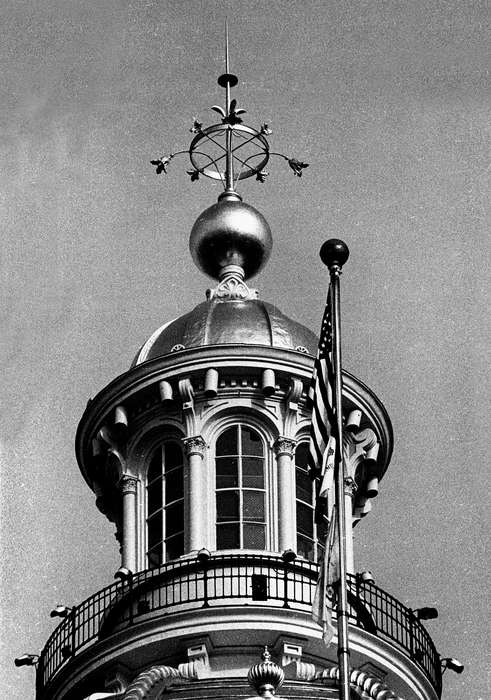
x: 237, y: 321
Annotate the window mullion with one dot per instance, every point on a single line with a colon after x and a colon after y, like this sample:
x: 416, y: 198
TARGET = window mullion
x: 164, y: 509
x: 240, y: 484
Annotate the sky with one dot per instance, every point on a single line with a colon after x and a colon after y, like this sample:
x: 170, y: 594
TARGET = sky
x: 388, y: 102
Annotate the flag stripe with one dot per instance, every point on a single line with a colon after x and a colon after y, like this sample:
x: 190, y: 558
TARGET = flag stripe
x: 321, y: 396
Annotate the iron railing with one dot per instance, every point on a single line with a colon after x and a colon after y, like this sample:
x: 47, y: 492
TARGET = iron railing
x: 228, y: 579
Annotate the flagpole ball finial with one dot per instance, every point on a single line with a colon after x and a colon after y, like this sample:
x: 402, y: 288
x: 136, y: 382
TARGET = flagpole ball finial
x: 334, y: 252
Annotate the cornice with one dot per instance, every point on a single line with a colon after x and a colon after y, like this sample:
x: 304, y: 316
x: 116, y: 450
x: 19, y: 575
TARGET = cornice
x: 195, y: 360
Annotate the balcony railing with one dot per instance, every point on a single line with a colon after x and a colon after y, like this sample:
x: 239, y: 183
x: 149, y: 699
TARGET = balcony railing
x: 225, y: 580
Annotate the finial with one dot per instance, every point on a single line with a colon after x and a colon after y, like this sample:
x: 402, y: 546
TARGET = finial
x: 266, y: 677
x: 229, y: 238
x: 334, y: 252
x: 229, y: 151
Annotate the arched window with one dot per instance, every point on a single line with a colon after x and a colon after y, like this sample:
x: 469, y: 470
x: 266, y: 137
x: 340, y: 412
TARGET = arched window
x: 310, y: 536
x: 165, y: 504
x: 240, y: 489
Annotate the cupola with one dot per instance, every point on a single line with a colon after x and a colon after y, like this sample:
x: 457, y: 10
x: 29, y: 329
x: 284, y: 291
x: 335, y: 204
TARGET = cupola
x: 198, y: 455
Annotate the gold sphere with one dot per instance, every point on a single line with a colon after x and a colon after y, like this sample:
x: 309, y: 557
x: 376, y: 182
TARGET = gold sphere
x: 230, y: 233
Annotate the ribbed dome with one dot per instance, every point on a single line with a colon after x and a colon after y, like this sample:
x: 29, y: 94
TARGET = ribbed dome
x: 216, y: 322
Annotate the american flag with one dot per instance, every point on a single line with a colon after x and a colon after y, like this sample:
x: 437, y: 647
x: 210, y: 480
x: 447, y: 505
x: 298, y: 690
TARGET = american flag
x: 321, y: 397
x: 322, y: 457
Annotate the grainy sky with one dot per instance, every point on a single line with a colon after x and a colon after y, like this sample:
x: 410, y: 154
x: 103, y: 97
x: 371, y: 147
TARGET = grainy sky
x: 389, y: 103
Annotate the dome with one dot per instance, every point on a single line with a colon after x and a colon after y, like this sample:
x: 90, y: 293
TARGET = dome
x: 237, y: 322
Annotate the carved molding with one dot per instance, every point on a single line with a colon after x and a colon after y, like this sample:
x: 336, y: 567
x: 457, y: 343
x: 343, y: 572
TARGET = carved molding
x: 194, y: 445
x: 372, y: 686
x: 149, y: 684
x: 305, y: 671
x: 350, y: 486
x: 284, y: 446
x: 194, y: 669
x: 232, y: 286
x: 116, y: 682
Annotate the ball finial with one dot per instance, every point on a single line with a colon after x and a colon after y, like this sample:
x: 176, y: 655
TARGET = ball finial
x: 230, y: 233
x: 334, y: 252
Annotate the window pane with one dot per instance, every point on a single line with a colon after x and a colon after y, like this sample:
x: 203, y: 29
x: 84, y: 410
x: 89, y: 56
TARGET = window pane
x: 173, y: 455
x: 174, y: 519
x: 322, y: 531
x: 254, y: 536
x: 228, y: 536
x: 154, y: 496
x: 155, y: 467
x: 155, y: 557
x: 253, y: 505
x: 227, y: 506
x: 154, y: 529
x: 305, y: 520
x: 227, y: 442
x: 253, y: 472
x: 174, y: 485
x: 227, y: 472
x: 251, y: 443
x: 174, y: 546
x: 301, y: 455
x: 305, y: 547
x: 303, y: 486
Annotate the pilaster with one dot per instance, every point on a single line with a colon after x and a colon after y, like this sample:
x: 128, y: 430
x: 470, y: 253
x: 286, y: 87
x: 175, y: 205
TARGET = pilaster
x: 194, y: 447
x: 284, y: 448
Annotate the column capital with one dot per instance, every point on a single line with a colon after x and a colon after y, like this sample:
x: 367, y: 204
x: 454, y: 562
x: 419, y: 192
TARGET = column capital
x: 284, y: 446
x: 128, y: 484
x: 194, y: 445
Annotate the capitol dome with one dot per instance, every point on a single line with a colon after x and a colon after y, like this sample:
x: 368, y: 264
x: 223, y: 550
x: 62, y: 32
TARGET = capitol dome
x: 235, y: 321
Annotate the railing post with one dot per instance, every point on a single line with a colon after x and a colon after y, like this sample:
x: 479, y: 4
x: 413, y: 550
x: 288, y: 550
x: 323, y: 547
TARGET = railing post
x: 205, y: 586
x: 358, y: 596
x: 285, y: 586
x: 203, y: 558
x: 73, y: 613
x: 130, y: 597
x: 412, y: 618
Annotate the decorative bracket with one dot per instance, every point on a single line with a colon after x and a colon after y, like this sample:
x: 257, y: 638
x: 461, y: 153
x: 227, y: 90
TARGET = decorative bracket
x: 292, y: 407
x: 357, y: 446
x: 186, y: 392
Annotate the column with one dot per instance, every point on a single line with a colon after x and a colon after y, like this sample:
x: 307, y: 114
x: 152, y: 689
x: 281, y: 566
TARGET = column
x: 128, y: 485
x: 287, y: 537
x: 198, y: 527
x: 349, y: 497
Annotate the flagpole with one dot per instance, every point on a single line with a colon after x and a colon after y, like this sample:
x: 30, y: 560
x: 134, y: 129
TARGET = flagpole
x: 334, y: 253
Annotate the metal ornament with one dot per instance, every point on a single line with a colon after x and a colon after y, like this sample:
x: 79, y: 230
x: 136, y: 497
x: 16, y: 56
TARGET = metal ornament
x: 266, y: 677
x: 229, y: 151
